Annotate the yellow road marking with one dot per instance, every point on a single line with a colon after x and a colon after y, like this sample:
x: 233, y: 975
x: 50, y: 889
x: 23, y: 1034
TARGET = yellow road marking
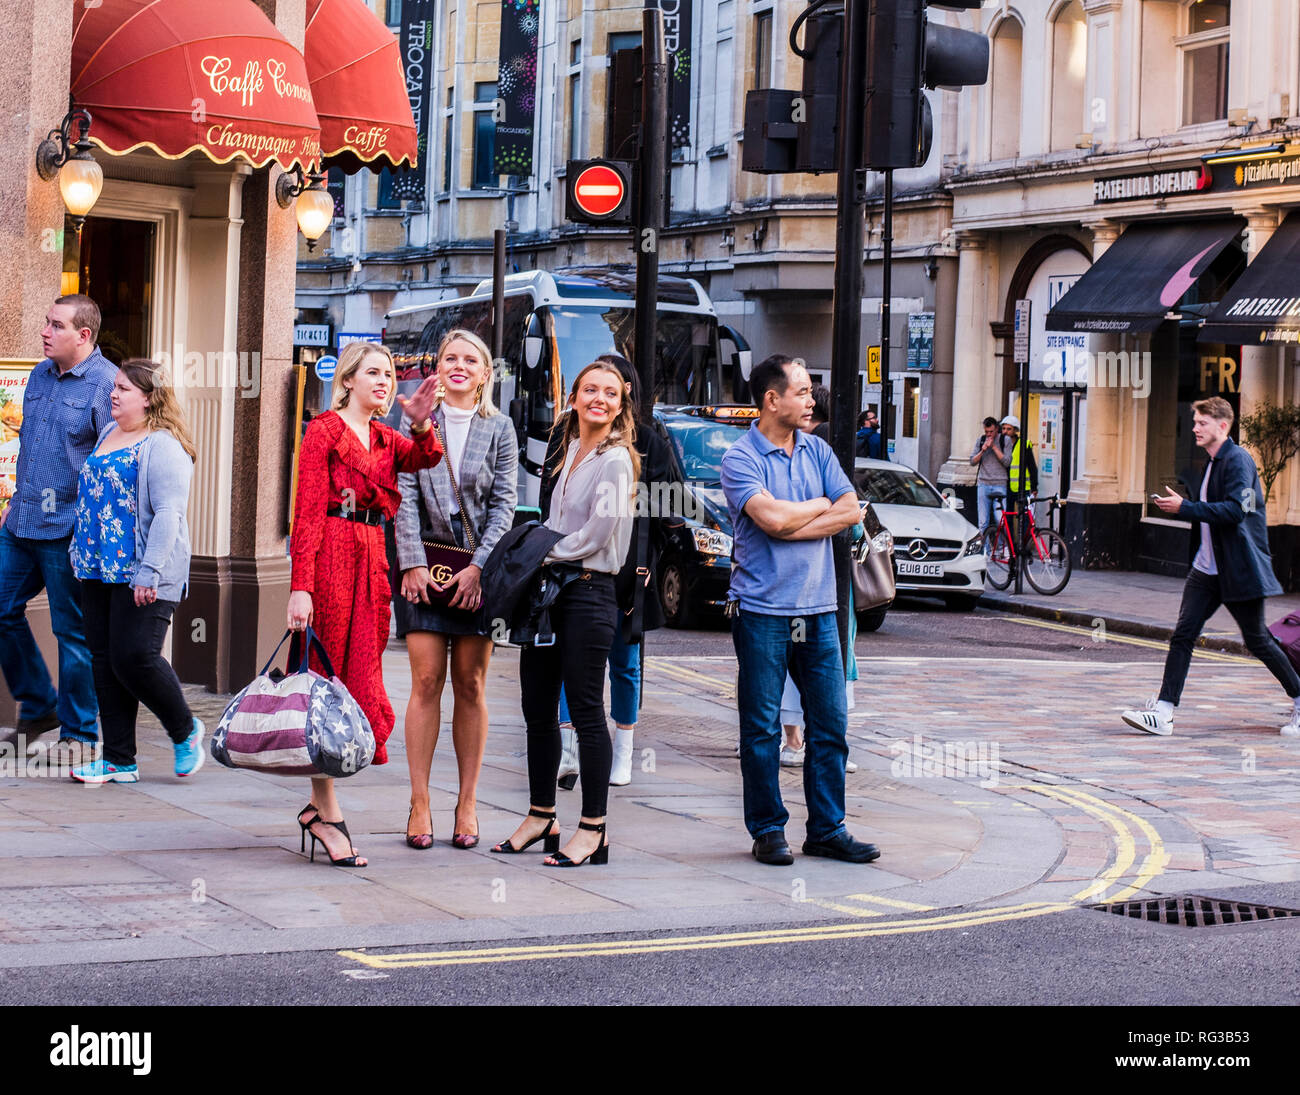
x: 1128, y: 640
x: 848, y: 910
x: 1126, y: 848
x: 690, y: 676
x: 701, y: 942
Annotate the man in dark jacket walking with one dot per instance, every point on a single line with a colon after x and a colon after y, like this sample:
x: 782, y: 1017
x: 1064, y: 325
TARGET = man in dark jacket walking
x: 1231, y: 566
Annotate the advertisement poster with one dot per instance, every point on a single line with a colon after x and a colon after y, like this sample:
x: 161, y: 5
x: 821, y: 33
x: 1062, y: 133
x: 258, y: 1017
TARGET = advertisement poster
x: 13, y: 383
x: 517, y: 87
x: 416, y: 41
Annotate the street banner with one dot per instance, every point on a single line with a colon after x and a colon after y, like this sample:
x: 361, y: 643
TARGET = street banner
x: 517, y: 87
x: 677, y: 44
x: 416, y: 43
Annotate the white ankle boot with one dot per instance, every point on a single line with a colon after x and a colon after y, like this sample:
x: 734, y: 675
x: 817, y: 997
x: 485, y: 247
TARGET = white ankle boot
x: 620, y: 772
x: 568, y: 774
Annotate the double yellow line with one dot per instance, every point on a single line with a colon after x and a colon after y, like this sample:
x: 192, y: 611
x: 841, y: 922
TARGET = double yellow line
x: 1114, y: 817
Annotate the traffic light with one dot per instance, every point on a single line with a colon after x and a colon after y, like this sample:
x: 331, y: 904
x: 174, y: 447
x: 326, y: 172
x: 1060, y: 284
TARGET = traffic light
x: 906, y: 53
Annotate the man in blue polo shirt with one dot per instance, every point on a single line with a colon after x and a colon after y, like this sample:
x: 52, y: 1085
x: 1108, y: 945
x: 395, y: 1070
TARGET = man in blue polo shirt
x: 788, y: 496
x: 65, y: 406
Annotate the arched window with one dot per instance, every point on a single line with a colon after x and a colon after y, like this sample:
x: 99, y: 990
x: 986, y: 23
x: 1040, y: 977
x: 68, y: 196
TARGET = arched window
x: 1069, y: 67
x: 1004, y: 90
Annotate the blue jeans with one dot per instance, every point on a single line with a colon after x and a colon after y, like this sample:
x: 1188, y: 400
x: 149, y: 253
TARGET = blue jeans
x: 808, y: 647
x: 624, y: 683
x: 985, y: 493
x: 26, y: 567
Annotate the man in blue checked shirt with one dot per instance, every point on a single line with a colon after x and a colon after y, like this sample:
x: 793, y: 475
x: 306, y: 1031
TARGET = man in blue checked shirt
x: 65, y: 406
x: 788, y: 496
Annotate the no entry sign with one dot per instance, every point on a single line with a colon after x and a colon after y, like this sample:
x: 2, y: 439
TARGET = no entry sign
x: 599, y: 191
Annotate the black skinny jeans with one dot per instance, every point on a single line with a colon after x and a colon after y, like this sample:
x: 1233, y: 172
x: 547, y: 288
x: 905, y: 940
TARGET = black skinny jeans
x: 584, y: 618
x: 129, y: 669
x: 1201, y: 598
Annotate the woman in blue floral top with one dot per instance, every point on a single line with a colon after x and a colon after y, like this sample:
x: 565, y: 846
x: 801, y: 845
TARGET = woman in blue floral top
x: 131, y: 550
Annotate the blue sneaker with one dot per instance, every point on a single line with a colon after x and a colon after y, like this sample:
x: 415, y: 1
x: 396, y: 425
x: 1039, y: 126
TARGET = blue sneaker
x: 104, y: 771
x: 189, y: 753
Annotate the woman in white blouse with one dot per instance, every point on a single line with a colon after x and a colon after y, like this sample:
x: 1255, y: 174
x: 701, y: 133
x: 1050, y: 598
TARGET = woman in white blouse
x: 593, y: 506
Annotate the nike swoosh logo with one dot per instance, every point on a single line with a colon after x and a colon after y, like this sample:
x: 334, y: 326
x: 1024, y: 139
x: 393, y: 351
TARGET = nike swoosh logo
x: 1177, y: 286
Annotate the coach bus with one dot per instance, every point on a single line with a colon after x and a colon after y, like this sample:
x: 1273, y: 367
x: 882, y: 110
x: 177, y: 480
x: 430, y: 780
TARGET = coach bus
x: 557, y: 322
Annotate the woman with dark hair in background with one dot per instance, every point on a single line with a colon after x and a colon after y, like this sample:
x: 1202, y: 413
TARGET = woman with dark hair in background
x: 636, y: 588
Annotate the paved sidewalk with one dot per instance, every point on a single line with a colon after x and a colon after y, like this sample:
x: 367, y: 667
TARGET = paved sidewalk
x: 986, y: 793
x: 1130, y: 603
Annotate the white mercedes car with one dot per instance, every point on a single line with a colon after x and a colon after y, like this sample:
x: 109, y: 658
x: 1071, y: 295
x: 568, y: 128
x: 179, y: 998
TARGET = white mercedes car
x: 937, y: 552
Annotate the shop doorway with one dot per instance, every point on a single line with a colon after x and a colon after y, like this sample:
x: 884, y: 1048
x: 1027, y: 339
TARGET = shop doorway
x: 116, y: 270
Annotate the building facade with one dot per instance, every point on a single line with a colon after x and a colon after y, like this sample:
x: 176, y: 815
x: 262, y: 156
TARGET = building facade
x: 1163, y: 129
x: 763, y: 247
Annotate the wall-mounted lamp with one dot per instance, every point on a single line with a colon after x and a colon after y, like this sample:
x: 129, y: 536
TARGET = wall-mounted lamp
x: 931, y: 268
x: 1241, y: 155
x: 80, y: 177
x: 315, y: 205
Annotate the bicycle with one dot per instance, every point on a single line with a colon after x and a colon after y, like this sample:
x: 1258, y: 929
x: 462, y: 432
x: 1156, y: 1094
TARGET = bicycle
x: 1047, y: 565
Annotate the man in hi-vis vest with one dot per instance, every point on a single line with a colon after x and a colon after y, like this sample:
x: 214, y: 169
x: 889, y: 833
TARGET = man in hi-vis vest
x: 1022, y: 472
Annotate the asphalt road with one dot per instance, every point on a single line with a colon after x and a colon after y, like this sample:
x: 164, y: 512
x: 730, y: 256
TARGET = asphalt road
x: 922, y: 627
x: 1077, y: 956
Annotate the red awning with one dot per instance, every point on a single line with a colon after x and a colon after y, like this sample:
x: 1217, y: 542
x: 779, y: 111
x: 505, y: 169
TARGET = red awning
x: 359, y: 86
x: 178, y: 77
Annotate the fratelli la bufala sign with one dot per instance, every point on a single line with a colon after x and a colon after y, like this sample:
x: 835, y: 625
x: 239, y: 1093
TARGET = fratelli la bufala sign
x: 1151, y: 184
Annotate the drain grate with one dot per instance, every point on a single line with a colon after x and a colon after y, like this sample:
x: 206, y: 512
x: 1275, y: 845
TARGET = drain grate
x: 1194, y: 911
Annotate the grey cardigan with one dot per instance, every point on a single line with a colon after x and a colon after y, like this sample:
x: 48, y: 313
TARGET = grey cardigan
x: 162, y: 533
x: 488, y: 479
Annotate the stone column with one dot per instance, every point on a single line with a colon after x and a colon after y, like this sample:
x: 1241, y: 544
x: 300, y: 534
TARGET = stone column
x: 974, y: 369
x: 37, y: 41
x: 1099, y: 484
x: 209, y: 362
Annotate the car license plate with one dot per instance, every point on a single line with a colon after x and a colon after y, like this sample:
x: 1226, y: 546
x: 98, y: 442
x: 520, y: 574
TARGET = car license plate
x: 921, y: 570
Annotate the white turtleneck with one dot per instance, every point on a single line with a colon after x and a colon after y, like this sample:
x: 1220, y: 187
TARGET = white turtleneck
x: 455, y: 426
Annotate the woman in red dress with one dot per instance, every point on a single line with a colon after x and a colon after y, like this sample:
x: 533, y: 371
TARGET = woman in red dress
x: 347, y: 484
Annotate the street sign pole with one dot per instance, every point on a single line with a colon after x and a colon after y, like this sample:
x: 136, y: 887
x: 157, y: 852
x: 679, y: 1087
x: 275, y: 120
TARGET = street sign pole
x: 651, y: 167
x: 846, y: 319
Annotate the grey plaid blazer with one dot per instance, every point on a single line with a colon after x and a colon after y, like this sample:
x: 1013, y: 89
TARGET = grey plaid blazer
x: 488, y: 481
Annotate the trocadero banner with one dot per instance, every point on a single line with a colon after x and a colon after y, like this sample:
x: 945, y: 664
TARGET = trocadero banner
x: 416, y: 42
x: 517, y: 87
x: 677, y: 45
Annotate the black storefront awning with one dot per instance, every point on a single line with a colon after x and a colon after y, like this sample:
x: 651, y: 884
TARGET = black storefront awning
x: 1143, y: 274
x: 1264, y: 304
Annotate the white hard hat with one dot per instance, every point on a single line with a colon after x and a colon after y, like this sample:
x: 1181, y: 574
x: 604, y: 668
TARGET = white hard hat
x: 1012, y: 421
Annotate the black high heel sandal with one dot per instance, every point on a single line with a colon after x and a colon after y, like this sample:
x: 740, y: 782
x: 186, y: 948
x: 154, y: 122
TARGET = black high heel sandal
x: 551, y: 836
x: 305, y: 825
x: 597, y: 858
x: 341, y: 826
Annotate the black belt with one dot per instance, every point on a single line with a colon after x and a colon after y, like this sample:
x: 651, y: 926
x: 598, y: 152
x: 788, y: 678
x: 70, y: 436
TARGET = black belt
x: 361, y: 516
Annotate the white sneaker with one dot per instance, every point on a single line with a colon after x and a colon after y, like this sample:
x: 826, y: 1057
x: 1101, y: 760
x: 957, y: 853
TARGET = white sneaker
x: 791, y: 758
x: 1292, y: 728
x: 568, y: 773
x: 620, y: 772
x: 850, y: 767
x: 1150, y: 720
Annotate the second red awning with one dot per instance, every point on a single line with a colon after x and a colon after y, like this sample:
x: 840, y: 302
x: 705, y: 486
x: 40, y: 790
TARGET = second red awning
x: 354, y: 64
